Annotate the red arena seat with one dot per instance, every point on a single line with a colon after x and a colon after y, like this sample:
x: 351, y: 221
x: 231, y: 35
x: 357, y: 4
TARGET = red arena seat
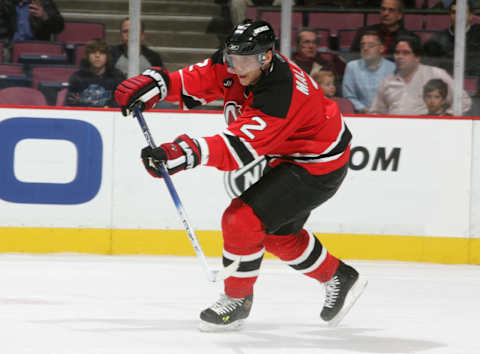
x: 335, y: 21
x: 38, y: 52
x: 80, y: 32
x: 25, y: 96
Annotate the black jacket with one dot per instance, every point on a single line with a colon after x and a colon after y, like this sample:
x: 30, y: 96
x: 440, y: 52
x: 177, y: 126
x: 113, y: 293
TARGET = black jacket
x: 41, y: 30
x: 440, y: 47
x: 94, y: 90
x: 443, y: 42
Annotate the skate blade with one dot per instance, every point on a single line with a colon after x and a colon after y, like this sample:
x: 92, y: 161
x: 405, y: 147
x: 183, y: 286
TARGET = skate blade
x: 211, y: 327
x: 352, y: 296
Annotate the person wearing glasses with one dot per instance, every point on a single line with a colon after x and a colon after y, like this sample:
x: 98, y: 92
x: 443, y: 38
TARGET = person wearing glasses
x: 310, y: 60
x: 401, y: 93
x: 362, y: 76
x: 389, y: 28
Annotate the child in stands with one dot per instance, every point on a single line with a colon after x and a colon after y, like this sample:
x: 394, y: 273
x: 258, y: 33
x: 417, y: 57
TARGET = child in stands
x: 326, y: 80
x: 435, y: 97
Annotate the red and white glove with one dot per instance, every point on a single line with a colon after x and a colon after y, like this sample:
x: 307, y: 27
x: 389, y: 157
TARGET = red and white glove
x: 146, y: 89
x: 184, y: 153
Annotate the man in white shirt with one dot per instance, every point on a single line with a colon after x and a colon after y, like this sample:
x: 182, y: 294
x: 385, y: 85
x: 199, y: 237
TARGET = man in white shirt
x: 401, y: 93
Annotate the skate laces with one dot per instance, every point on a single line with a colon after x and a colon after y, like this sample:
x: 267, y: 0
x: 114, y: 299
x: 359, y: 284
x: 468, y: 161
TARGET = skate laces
x: 332, y: 289
x: 226, y: 304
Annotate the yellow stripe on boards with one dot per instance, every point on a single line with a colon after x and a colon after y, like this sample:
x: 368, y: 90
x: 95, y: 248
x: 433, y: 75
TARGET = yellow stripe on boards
x: 172, y: 242
x: 48, y: 240
x: 448, y: 250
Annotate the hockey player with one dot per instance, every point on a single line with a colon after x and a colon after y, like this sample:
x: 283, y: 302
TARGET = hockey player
x: 281, y: 113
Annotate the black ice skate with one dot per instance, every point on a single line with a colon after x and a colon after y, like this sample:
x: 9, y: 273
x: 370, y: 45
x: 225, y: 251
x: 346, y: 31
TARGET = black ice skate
x: 341, y: 292
x: 226, y: 314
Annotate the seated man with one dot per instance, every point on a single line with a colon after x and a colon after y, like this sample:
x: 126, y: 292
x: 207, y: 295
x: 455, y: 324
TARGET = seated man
x: 402, y: 91
x: 442, y: 44
x: 310, y: 60
x: 148, y: 57
x: 22, y: 20
x: 362, y: 76
x: 389, y: 28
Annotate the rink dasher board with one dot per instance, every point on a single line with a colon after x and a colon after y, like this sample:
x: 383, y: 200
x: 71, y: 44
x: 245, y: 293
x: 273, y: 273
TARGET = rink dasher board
x: 412, y: 192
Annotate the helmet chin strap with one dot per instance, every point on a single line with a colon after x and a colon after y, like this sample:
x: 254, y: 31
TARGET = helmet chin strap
x: 262, y: 58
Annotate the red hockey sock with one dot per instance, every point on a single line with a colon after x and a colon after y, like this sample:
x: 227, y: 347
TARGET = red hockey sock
x: 243, y: 235
x: 305, y: 253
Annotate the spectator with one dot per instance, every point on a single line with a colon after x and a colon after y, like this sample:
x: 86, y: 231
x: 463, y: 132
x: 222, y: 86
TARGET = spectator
x: 238, y: 8
x: 435, y: 94
x: 148, y: 57
x: 402, y: 91
x: 93, y: 85
x: 389, y: 28
x: 309, y: 59
x: 326, y: 80
x: 442, y: 44
x: 29, y: 20
x: 362, y: 76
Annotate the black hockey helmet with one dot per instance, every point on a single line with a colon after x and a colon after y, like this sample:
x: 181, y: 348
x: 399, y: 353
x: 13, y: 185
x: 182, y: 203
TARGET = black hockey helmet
x: 251, y: 38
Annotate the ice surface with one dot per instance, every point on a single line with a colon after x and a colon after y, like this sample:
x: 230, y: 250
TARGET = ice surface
x: 87, y: 304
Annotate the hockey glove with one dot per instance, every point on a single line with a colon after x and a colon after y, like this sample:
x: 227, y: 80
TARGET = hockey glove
x: 184, y: 153
x: 146, y: 90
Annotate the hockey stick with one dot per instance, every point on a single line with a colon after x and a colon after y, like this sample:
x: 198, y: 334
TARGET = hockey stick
x: 212, y: 275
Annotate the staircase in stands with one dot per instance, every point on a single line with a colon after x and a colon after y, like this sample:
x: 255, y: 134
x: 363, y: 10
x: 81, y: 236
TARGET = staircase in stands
x: 183, y: 32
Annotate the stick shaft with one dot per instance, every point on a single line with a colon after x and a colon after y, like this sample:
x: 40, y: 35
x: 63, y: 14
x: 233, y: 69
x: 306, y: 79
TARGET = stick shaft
x: 176, y: 199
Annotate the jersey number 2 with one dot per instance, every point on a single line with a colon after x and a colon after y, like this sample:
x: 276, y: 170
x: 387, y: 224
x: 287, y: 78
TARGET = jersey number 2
x: 245, y: 129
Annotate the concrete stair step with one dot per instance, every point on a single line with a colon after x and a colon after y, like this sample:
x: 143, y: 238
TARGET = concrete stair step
x: 148, y: 7
x: 171, y: 39
x: 182, y: 23
x: 182, y: 55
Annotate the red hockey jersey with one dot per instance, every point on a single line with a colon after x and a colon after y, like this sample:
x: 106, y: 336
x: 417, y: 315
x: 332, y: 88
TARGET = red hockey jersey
x: 285, y: 116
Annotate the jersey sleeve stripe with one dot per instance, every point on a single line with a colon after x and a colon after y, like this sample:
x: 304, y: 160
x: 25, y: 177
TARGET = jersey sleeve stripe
x: 246, y: 143
x: 242, y: 154
x: 340, y: 144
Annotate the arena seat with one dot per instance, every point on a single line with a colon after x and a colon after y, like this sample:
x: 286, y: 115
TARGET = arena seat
x: 335, y: 20
x: 345, y: 38
x: 61, y: 97
x: 49, y: 73
x: 13, y: 75
x: 76, y: 32
x: 437, y: 22
x: 470, y: 84
x: 344, y: 105
x: 413, y: 21
x: 38, y: 52
x: 25, y: 96
x: 274, y: 18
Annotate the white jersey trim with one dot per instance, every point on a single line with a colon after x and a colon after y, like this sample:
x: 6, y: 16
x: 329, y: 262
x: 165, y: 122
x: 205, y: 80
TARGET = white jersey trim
x: 185, y: 92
